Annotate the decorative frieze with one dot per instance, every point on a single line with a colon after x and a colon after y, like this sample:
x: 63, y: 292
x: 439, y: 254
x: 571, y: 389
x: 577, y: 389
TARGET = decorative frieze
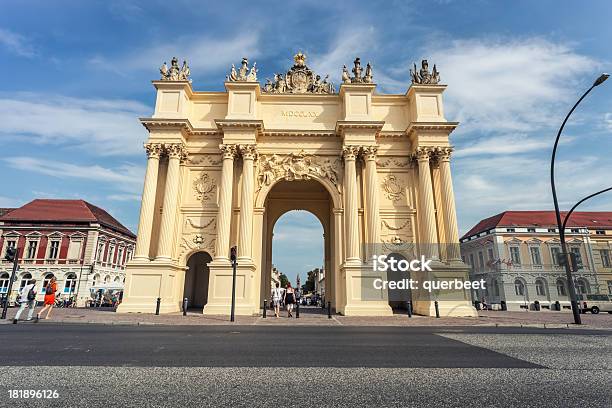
x: 296, y: 166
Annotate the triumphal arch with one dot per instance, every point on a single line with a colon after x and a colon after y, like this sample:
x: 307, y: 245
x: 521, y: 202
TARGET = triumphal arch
x: 224, y: 166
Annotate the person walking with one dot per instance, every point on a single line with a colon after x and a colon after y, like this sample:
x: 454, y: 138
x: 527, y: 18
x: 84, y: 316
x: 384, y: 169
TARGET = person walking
x: 277, y: 296
x: 289, y: 299
x: 49, y: 298
x: 27, y: 298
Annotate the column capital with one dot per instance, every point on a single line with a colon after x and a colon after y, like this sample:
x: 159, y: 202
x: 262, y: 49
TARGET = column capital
x: 154, y: 150
x: 369, y: 152
x: 175, y: 150
x: 423, y: 153
x: 350, y: 152
x: 229, y: 151
x: 248, y: 151
x: 444, y: 153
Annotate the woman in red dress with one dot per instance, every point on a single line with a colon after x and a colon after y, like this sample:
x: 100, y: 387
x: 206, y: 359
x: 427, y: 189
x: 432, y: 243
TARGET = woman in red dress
x: 49, y: 298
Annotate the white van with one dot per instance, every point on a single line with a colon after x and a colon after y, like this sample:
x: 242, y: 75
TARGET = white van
x: 595, y: 303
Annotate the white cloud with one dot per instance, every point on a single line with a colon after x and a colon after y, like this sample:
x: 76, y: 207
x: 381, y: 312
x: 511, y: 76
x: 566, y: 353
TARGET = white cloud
x: 350, y: 41
x: 127, y: 177
x: 16, y: 43
x: 103, y: 127
x: 514, y: 85
x: 204, y: 54
x: 508, y: 144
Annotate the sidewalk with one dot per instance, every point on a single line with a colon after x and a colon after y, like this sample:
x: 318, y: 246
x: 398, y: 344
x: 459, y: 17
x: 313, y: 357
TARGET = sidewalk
x: 317, y: 317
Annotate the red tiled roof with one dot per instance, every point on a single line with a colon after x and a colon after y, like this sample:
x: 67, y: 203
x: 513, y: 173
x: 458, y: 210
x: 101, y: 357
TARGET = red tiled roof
x: 41, y: 210
x: 587, y: 219
x: 5, y: 211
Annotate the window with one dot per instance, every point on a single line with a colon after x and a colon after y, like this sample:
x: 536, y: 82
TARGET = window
x: 576, y: 250
x: 600, y: 232
x: 46, y: 282
x: 561, y: 291
x: 472, y: 260
x: 582, y: 286
x: 4, y: 282
x: 530, y: 229
x: 70, y: 284
x: 109, y: 255
x: 515, y: 255
x: 120, y: 256
x: 490, y: 253
x: 495, y: 287
x: 519, y: 287
x: 552, y: 230
x: 26, y: 279
x: 610, y: 287
x: 605, y: 258
x: 32, y: 247
x: 575, y: 230
x: 107, y: 279
x: 510, y: 229
x: 100, y: 251
x: 10, y: 244
x: 554, y: 255
x: 96, y: 279
x: 54, y: 249
x: 117, y: 279
x: 74, y: 249
x: 536, y: 258
x: 540, y: 287
x: 480, y: 260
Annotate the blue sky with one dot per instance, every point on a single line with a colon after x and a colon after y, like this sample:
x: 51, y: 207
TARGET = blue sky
x: 76, y: 78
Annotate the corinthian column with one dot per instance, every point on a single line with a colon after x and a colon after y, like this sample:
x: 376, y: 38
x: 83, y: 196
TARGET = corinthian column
x: 245, y: 232
x: 225, y: 202
x: 350, y: 203
x: 147, y: 208
x: 176, y: 151
x: 372, y: 213
x: 426, y: 205
x: 448, y: 205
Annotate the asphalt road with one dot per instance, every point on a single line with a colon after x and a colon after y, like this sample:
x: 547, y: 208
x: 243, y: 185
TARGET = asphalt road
x: 132, y: 366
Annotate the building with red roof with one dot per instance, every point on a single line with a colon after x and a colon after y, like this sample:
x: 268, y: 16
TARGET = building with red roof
x: 80, y: 244
x: 516, y: 253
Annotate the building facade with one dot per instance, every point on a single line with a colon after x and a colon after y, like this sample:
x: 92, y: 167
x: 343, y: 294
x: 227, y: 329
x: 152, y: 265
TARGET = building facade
x: 224, y: 166
x: 78, y: 243
x: 515, y: 252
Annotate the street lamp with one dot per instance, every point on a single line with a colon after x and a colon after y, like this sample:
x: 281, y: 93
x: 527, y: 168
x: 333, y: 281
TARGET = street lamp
x: 560, y: 224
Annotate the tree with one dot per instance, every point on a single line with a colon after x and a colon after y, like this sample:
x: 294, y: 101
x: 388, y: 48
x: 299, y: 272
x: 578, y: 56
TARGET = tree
x: 309, y: 286
x: 283, y: 280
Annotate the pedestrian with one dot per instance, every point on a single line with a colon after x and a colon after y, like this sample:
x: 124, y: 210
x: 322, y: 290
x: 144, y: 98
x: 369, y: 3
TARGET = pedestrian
x: 277, y: 295
x: 27, y: 298
x: 484, y: 304
x: 289, y: 299
x: 49, y: 298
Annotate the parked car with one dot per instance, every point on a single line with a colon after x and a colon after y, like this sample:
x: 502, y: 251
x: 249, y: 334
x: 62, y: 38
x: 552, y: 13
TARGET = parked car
x: 595, y: 303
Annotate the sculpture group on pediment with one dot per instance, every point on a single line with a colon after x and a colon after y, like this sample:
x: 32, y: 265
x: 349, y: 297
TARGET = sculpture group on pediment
x: 174, y: 72
x: 296, y: 166
x: 244, y: 74
x: 423, y: 76
x: 359, y: 76
x: 299, y: 79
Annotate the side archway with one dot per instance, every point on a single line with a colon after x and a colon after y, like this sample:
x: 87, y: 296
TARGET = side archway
x: 197, y: 278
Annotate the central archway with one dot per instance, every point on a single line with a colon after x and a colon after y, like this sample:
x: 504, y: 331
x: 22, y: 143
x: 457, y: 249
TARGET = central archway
x: 312, y: 196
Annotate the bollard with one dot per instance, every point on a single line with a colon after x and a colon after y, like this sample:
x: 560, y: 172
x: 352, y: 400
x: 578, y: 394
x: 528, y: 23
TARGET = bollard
x: 157, y: 307
x: 437, y: 309
x: 185, y: 304
x: 297, y: 310
x: 329, y: 310
x: 409, y: 308
x: 265, y: 307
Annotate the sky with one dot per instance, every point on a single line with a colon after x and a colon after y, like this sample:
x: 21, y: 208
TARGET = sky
x: 77, y: 76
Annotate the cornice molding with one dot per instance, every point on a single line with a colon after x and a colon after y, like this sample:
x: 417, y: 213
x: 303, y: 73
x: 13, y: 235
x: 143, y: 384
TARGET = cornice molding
x: 225, y: 124
x: 426, y: 127
x: 343, y: 125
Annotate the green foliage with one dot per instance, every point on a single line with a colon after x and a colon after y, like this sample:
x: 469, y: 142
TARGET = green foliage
x: 283, y: 280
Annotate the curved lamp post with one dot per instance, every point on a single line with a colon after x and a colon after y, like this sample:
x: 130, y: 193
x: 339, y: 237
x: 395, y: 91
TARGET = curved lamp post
x: 561, y: 225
